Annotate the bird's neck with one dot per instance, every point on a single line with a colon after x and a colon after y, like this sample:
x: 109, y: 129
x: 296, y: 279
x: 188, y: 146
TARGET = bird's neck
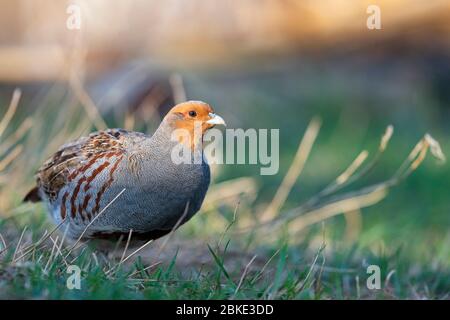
x: 170, y: 135
x: 169, y: 141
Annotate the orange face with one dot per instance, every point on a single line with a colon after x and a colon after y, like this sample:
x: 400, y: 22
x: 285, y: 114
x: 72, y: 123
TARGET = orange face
x: 193, y: 115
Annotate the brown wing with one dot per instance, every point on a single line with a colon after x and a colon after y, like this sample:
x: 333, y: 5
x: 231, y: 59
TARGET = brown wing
x: 74, y: 156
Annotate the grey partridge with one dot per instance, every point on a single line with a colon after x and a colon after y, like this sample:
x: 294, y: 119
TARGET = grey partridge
x: 114, y: 181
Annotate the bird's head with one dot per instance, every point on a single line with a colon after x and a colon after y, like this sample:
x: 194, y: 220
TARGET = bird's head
x: 193, y: 116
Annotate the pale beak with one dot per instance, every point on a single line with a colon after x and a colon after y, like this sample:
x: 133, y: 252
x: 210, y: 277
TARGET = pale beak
x: 215, y: 119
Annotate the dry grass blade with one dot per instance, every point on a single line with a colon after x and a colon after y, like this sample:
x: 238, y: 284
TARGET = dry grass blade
x: 10, y: 157
x: 342, y: 180
x: 420, y: 157
x: 435, y: 147
x: 123, y: 259
x: 417, y: 155
x: 388, y: 278
x: 19, y: 243
x: 58, y: 249
x: 353, y: 224
x: 11, y: 111
x: 126, y: 246
x: 82, y: 251
x: 145, y: 269
x: 261, y: 272
x: 18, y: 134
x: 302, y: 285
x: 87, y: 102
x: 229, y: 225
x: 229, y: 190
x: 44, y: 237
x: 135, y: 252
x: 347, y: 203
x: 294, y: 171
x: 386, y: 138
x: 97, y: 263
x: 179, y: 93
x: 129, y: 121
x: 3, y: 243
x: 116, y: 247
x: 244, y: 274
x: 352, y: 168
x: 351, y: 174
x: 52, y: 253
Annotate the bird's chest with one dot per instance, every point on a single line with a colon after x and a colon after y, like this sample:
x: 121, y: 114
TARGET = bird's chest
x: 179, y: 180
x: 168, y: 185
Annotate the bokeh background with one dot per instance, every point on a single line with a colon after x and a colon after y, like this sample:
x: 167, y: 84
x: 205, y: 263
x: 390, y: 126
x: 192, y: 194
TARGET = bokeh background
x: 261, y: 64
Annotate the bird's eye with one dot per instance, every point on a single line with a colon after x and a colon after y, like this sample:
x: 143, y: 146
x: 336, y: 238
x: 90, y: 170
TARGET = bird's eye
x: 192, y: 113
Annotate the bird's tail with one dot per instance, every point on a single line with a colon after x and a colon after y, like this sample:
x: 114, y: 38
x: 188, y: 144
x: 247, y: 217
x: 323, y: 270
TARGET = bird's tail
x: 33, y: 195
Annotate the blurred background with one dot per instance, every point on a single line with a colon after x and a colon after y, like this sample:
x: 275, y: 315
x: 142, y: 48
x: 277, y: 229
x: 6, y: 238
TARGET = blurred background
x: 260, y: 64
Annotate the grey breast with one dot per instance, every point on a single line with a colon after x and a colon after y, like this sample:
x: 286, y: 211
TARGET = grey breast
x: 156, y: 197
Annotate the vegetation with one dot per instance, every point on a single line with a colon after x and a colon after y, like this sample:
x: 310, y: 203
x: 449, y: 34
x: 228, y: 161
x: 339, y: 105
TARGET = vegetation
x: 295, y: 235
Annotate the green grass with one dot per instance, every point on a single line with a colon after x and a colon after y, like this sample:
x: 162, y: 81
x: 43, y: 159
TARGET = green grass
x: 336, y: 271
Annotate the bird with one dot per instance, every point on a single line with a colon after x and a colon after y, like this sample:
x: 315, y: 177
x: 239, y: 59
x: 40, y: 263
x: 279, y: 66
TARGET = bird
x: 114, y: 183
